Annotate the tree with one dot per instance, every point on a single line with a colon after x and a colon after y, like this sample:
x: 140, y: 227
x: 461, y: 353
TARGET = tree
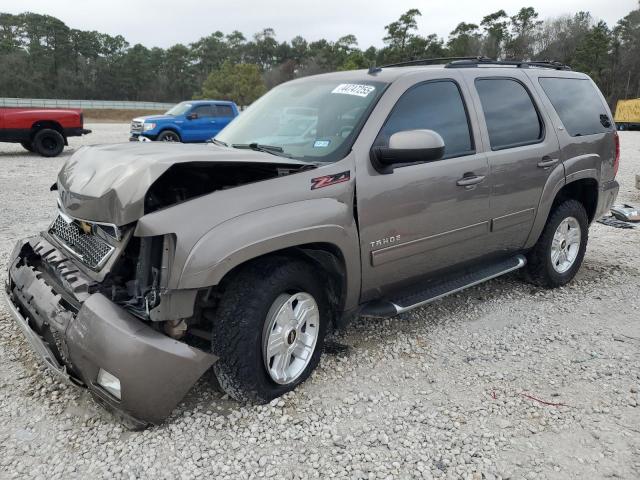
x: 399, y: 33
x: 523, y: 26
x: 496, y: 30
x: 464, y: 41
x: 591, y: 56
x: 241, y: 83
x: 40, y: 56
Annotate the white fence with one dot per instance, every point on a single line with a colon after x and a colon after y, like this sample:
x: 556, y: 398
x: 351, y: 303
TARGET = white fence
x: 98, y: 104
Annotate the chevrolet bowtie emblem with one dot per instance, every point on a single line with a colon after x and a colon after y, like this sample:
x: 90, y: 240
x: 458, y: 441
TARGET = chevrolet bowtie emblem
x: 85, y: 227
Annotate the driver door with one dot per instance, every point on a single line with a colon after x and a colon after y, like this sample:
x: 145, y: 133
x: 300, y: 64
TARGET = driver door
x: 199, y: 125
x: 424, y: 217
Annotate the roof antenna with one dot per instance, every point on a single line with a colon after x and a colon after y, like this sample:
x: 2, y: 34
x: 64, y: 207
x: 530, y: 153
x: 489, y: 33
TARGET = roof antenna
x: 373, y: 69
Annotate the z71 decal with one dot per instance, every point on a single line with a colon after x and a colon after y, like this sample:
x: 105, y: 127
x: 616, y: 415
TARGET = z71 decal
x: 327, y: 180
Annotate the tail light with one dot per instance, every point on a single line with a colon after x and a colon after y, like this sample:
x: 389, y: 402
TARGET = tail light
x: 616, y: 161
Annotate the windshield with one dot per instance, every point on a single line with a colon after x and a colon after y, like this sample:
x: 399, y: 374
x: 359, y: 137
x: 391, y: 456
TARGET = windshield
x: 309, y: 120
x: 179, y: 109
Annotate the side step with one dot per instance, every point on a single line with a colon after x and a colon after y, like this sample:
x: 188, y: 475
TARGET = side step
x: 423, y: 293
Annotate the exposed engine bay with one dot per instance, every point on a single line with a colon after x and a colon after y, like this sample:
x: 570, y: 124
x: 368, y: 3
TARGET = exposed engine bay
x: 184, y: 181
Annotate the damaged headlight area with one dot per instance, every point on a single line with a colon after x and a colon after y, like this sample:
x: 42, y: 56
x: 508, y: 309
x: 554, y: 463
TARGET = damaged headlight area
x: 141, y: 274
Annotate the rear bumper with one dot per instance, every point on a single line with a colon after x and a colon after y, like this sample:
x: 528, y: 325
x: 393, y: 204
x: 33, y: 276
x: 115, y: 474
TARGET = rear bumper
x: 606, y: 198
x: 76, y: 132
x: 155, y: 371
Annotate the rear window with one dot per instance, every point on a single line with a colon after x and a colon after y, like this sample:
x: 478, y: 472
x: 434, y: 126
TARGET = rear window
x: 512, y: 118
x: 578, y: 105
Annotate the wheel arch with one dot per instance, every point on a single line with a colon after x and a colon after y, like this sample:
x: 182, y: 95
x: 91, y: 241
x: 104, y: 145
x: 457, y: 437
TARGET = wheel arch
x: 42, y: 124
x: 325, y: 256
x: 170, y: 128
x: 585, y: 191
x: 581, y: 186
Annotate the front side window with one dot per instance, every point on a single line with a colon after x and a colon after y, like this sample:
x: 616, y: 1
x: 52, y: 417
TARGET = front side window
x: 179, y: 109
x: 309, y: 120
x: 436, y: 106
x: 578, y: 105
x: 511, y: 117
x: 204, y: 111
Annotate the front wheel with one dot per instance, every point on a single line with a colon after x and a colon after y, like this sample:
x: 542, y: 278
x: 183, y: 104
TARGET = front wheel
x: 168, y: 136
x: 558, y: 254
x: 269, y: 329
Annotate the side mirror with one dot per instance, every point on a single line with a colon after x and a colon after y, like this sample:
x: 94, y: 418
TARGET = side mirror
x: 409, y: 146
x: 192, y: 116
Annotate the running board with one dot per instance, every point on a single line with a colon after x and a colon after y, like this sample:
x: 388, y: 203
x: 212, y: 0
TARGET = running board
x: 421, y: 294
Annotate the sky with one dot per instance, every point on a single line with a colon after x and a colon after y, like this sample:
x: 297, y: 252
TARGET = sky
x: 163, y: 23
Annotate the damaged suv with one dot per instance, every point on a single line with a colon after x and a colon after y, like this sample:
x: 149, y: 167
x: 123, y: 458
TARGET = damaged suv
x: 352, y: 193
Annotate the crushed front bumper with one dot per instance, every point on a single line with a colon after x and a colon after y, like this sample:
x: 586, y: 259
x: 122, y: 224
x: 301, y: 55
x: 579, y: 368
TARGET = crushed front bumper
x: 76, y: 333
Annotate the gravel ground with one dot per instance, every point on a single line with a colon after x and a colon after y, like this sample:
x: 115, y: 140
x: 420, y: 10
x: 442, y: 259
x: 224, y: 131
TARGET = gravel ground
x: 454, y: 390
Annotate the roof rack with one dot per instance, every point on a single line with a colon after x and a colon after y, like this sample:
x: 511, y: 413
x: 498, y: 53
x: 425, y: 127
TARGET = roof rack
x: 429, y: 61
x: 466, y: 63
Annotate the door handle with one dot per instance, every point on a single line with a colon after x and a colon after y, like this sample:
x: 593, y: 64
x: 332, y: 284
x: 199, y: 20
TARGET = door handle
x: 470, y: 180
x: 548, y: 162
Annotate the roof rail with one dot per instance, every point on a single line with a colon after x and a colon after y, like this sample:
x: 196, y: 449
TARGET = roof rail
x: 429, y: 61
x: 474, y: 62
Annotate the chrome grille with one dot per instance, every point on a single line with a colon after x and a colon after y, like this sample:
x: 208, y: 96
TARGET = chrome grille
x: 136, y: 127
x: 90, y: 249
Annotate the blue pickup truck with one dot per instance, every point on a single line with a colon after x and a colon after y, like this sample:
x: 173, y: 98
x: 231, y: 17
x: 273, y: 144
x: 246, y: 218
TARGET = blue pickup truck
x: 190, y: 121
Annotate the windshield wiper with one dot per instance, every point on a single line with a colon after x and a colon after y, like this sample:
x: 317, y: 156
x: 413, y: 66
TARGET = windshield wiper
x: 218, y: 142
x: 272, y: 149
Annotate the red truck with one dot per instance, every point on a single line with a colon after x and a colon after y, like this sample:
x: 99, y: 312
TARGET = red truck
x: 44, y: 131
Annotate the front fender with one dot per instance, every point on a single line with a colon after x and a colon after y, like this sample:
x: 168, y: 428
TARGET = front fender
x: 235, y: 241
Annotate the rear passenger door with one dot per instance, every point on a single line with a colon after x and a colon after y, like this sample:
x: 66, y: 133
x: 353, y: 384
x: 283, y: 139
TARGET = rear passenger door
x: 224, y: 114
x: 522, y: 150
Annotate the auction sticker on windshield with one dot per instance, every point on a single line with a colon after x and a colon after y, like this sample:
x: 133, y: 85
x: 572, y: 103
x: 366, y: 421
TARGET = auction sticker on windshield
x: 354, y: 89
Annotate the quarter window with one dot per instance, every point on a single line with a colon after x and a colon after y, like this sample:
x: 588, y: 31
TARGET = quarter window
x: 434, y: 106
x: 512, y: 118
x: 578, y: 105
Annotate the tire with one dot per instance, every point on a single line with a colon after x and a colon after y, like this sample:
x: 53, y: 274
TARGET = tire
x: 243, y: 328
x: 168, y: 136
x: 48, y: 142
x: 27, y: 146
x: 547, y: 265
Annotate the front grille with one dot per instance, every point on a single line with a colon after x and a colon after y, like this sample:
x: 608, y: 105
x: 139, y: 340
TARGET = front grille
x: 136, y: 127
x: 90, y: 249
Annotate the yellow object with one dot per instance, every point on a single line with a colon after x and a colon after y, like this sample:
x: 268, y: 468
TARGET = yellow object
x: 628, y: 111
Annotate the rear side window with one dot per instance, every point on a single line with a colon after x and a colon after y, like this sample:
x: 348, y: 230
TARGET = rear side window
x: 511, y: 116
x: 224, y: 111
x: 434, y: 106
x: 578, y: 105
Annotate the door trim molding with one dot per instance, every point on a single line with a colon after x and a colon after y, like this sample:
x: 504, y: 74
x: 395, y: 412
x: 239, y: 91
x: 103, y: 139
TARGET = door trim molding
x: 430, y: 243
x: 513, y: 219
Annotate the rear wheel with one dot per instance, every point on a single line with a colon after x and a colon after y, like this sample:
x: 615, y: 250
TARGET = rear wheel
x: 27, y: 146
x: 269, y: 328
x: 168, y: 136
x: 558, y: 254
x: 48, y: 142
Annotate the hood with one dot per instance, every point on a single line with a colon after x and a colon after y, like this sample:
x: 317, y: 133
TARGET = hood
x: 153, y: 118
x: 109, y: 183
